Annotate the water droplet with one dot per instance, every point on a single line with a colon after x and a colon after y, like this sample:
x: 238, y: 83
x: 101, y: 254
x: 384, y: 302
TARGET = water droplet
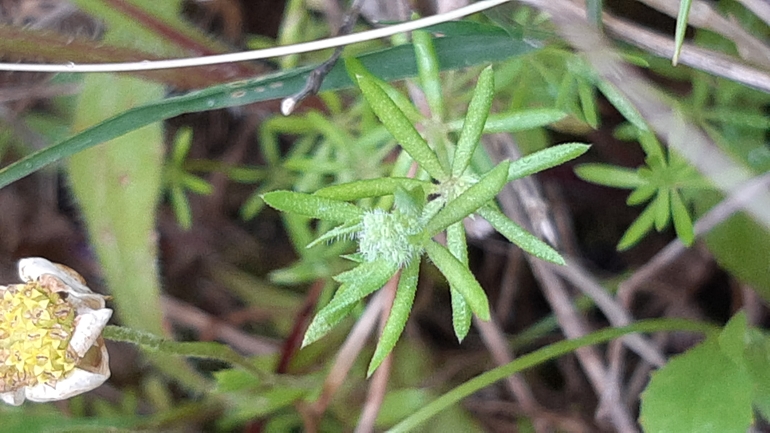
x: 70, y: 65
x: 210, y: 103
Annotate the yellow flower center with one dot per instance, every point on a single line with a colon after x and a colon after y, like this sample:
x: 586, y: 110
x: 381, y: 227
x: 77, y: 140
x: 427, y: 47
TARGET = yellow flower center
x: 36, y: 325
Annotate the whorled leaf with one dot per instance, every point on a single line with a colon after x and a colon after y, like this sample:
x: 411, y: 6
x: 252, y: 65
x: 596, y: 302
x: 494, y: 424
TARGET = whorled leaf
x: 520, y: 237
x: 460, y: 277
x: 357, y: 284
x: 399, y: 313
x: 313, y: 206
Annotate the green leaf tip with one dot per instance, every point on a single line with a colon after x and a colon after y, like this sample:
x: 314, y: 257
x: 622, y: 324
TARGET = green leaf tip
x: 312, y: 206
x: 545, y: 159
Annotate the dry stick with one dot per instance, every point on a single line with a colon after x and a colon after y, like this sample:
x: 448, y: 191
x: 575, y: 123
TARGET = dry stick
x: 496, y: 343
x: 318, y: 74
x: 713, y: 62
x: 379, y: 383
x: 345, y: 359
x: 188, y: 316
x: 761, y: 8
x: 520, y: 201
x: 508, y: 282
x: 704, y: 16
x: 617, y: 315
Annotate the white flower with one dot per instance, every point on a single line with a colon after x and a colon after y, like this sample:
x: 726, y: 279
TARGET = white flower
x: 50, y: 335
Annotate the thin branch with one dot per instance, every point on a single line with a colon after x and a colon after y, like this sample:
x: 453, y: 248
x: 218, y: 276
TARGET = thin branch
x: 704, y: 16
x: 713, y: 62
x: 318, y: 74
x: 527, y: 207
x: 378, y: 386
x: 345, y: 359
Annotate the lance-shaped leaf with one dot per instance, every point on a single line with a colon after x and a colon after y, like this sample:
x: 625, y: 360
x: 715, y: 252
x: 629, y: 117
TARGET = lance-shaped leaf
x: 470, y: 200
x: 373, y: 188
x: 610, y: 175
x: 681, y: 28
x: 545, y: 159
x: 312, y: 206
x: 682, y: 221
x: 636, y: 231
x: 513, y: 121
x: 460, y: 277
x: 662, y: 203
x: 428, y: 69
x: 475, y: 119
x: 520, y: 237
x: 399, y: 313
x: 619, y: 101
x: 400, y: 127
x: 461, y: 311
x: 358, y: 283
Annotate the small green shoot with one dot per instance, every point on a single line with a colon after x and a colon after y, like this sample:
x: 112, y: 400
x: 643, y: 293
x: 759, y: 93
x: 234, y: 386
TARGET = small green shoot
x: 179, y: 179
x: 663, y: 179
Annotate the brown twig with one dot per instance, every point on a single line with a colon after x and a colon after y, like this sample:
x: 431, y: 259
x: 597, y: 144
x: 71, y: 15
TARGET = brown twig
x: 186, y: 315
x: 378, y: 386
x: 704, y: 16
x: 344, y: 360
x: 709, y: 61
x: 522, y: 202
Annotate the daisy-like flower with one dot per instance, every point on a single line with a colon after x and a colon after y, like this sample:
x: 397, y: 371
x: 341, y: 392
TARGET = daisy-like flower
x: 50, y: 335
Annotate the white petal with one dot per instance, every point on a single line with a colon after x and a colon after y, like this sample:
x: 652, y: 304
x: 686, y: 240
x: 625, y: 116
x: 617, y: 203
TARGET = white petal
x: 15, y: 398
x: 32, y: 268
x: 88, y: 327
x: 78, y: 382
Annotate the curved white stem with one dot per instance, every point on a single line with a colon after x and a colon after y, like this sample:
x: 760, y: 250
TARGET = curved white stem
x: 259, y: 54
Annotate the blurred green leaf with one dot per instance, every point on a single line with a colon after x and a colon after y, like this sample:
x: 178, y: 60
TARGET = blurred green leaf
x: 681, y: 28
x: 701, y: 390
x: 740, y: 245
x: 636, y: 231
x: 682, y: 221
x: 609, y: 175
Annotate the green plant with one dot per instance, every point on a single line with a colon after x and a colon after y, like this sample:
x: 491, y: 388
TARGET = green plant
x: 665, y: 179
x: 436, y: 200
